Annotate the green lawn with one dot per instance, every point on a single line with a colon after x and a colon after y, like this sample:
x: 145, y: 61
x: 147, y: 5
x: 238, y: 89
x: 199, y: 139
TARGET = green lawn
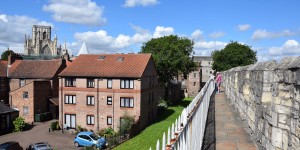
x: 149, y: 136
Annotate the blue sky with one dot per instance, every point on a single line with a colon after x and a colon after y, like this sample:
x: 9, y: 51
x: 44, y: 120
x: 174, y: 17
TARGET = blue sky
x: 272, y: 28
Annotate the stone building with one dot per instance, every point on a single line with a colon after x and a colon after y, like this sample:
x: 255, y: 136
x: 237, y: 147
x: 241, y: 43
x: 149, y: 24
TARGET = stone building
x: 32, y: 84
x: 197, y: 78
x: 41, y: 43
x: 97, y: 90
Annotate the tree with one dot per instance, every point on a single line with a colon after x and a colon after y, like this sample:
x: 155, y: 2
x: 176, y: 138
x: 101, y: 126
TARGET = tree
x: 19, y: 124
x: 234, y: 54
x: 5, y: 54
x: 171, y: 55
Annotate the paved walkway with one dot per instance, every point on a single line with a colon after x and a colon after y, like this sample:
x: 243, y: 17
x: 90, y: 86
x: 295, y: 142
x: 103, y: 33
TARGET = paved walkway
x: 230, y: 134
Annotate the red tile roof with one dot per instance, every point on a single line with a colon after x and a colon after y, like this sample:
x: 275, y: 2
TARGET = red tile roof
x: 3, y: 66
x: 34, y: 69
x: 88, y: 65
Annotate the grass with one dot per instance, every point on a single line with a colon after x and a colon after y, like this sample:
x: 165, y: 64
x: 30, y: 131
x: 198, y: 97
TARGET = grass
x: 149, y: 136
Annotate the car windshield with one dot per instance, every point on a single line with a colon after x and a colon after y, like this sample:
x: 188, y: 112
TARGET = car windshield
x: 94, y: 136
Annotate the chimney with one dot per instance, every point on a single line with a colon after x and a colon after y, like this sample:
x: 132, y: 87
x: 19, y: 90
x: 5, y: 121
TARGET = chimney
x: 9, y: 61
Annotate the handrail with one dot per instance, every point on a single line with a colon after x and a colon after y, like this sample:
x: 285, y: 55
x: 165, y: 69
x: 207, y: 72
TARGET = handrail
x: 187, y: 132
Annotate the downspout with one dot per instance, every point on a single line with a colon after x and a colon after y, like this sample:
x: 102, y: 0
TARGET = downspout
x: 113, y: 102
x: 61, y: 103
x: 98, y: 105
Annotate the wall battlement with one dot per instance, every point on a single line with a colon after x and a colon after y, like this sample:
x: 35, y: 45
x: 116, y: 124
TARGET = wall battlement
x: 267, y: 97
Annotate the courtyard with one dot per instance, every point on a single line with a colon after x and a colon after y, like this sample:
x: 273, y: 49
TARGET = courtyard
x: 40, y: 133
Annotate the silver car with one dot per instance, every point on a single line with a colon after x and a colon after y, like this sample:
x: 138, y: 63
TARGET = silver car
x: 40, y: 146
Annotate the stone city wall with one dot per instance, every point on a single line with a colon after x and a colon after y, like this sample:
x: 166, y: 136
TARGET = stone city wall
x: 267, y: 97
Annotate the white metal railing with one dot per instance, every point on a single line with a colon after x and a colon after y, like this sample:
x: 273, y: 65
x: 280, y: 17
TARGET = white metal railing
x: 187, y: 132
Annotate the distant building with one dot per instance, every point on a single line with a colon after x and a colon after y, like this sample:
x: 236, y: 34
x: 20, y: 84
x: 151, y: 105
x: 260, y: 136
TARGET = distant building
x: 33, y: 84
x: 197, y: 78
x: 97, y: 90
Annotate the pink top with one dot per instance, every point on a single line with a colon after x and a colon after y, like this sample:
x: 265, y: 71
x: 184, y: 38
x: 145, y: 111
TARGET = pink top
x: 219, y: 78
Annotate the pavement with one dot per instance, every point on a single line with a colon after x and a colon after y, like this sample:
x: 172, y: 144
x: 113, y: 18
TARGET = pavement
x: 230, y: 133
x: 40, y: 133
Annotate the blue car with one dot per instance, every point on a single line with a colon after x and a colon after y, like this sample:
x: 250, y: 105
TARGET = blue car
x: 89, y: 139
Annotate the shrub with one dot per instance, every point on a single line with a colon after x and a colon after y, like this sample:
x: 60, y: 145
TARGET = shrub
x: 54, y: 125
x: 19, y: 124
x: 125, y: 125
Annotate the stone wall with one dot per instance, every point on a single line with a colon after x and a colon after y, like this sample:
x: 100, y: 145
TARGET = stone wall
x: 267, y: 97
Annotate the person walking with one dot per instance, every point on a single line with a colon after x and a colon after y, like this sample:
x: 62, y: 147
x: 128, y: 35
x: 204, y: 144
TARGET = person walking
x: 219, y: 80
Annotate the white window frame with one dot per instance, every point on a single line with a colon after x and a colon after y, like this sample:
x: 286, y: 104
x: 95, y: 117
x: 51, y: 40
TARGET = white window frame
x: 109, y: 83
x: 126, y: 102
x: 109, y: 120
x: 90, y: 119
x: 126, y: 83
x: 90, y: 100
x: 70, y: 120
x: 70, y: 99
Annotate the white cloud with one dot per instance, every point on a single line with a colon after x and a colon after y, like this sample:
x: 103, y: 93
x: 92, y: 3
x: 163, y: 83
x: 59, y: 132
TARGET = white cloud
x: 14, y: 28
x: 263, y: 34
x: 3, y: 18
x: 161, y: 31
x: 78, y: 12
x: 197, y: 35
x: 100, y: 41
x: 216, y: 34
x: 133, y: 3
x: 206, y: 47
x: 141, y: 36
x: 290, y: 47
x: 243, y: 27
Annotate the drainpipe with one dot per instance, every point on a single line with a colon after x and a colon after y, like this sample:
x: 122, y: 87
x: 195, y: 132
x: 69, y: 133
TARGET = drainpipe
x: 61, y: 103
x: 113, y: 102
x: 97, y: 105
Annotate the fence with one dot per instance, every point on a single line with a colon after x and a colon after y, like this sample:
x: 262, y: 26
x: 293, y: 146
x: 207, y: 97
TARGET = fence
x: 187, y: 132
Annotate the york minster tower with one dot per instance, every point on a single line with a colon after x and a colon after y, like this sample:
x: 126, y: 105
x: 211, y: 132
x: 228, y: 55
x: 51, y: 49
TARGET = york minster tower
x: 41, y: 43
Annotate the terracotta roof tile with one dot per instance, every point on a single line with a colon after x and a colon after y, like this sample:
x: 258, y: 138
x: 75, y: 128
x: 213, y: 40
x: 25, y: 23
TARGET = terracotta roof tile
x: 108, y: 65
x: 3, y: 66
x: 34, y: 69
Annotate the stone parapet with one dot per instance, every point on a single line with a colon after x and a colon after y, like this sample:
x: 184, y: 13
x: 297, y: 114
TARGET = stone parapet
x: 267, y: 97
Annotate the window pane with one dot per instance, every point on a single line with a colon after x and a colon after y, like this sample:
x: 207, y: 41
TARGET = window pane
x: 68, y: 119
x: 127, y: 102
x: 93, y: 100
x: 126, y: 83
x: 74, y: 99
x: 122, y: 102
x: 131, y: 102
x: 73, y: 120
x: 131, y: 84
x: 109, y: 83
x: 92, y: 120
x: 122, y: 84
x: 66, y: 99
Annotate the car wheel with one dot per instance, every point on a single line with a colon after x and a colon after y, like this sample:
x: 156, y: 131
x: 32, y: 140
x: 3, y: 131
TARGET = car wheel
x: 76, y: 144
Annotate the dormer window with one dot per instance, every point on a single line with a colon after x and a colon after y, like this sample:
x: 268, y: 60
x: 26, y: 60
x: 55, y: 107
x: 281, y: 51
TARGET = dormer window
x: 120, y: 59
x: 101, y: 57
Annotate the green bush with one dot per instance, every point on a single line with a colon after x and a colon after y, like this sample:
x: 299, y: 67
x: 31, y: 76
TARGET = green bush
x: 125, y: 124
x: 54, y: 126
x: 19, y: 124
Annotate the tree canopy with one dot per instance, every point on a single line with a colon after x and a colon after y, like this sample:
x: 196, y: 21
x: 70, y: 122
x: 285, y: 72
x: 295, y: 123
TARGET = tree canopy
x: 171, y: 55
x: 234, y: 54
x: 5, y: 54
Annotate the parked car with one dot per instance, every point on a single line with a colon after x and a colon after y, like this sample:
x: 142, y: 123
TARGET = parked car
x: 12, y: 145
x: 39, y: 146
x: 89, y: 139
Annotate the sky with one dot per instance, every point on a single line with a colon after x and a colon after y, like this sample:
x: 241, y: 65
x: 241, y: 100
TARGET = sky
x: 271, y: 28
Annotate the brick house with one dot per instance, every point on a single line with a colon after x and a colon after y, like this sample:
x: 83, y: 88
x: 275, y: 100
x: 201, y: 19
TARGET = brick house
x: 97, y: 90
x: 32, y: 84
x: 3, y: 82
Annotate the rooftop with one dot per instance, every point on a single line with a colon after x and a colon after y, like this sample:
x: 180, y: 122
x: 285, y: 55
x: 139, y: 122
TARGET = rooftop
x: 108, y: 65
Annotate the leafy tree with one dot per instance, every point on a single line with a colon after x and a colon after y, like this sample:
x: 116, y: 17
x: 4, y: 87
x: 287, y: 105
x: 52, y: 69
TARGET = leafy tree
x: 5, y: 54
x: 125, y: 124
x: 234, y: 54
x: 19, y: 124
x: 171, y: 55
